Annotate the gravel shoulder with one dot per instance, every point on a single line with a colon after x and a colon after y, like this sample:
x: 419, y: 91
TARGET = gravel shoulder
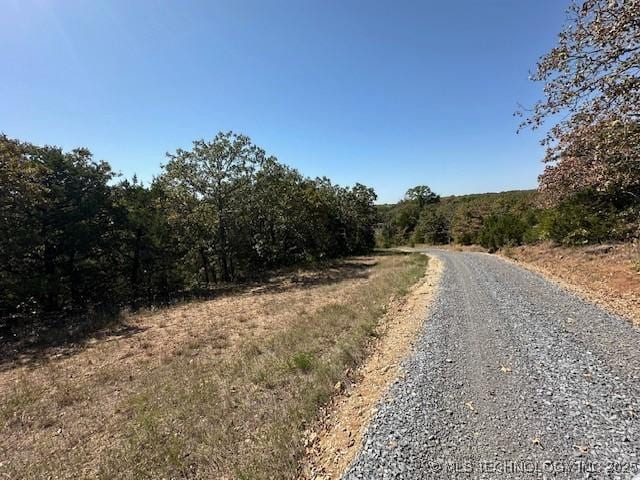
x: 512, y: 377
x: 608, y: 275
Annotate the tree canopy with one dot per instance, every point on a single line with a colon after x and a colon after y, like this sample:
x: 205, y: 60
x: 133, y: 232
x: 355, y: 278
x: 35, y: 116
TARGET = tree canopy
x: 592, y: 90
x: 76, y: 239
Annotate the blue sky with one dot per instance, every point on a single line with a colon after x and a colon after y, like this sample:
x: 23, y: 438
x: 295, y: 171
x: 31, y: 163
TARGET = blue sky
x: 390, y: 94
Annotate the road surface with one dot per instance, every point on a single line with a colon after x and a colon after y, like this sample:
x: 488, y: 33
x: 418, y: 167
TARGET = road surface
x: 513, y: 377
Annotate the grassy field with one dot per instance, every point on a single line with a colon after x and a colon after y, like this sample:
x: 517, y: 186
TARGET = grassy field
x: 222, y: 388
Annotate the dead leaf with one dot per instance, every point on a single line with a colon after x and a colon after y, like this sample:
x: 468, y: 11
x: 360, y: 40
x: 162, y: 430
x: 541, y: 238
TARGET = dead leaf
x: 582, y: 449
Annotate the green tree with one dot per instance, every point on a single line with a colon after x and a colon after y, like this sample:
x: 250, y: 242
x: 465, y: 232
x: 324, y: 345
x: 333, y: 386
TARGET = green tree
x: 152, y: 251
x: 211, y: 184
x: 433, y: 227
x: 21, y: 193
x: 501, y: 230
x: 220, y: 212
x: 280, y: 216
x: 422, y: 195
x: 76, y: 219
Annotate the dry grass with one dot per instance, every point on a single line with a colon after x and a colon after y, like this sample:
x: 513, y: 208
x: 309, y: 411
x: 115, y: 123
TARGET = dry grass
x: 214, y: 389
x: 334, y: 442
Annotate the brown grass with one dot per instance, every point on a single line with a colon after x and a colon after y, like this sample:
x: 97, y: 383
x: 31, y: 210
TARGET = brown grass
x: 337, y: 438
x: 213, y: 389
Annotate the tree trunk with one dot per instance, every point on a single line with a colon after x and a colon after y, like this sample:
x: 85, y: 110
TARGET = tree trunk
x: 51, y: 284
x: 205, y: 265
x: 224, y: 254
x: 135, y: 266
x: 74, y: 280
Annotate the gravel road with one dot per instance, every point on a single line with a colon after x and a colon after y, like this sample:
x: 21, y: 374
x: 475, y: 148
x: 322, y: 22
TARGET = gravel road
x: 513, y: 377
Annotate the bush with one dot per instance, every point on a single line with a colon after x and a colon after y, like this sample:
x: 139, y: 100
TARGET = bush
x: 533, y: 234
x: 433, y: 227
x: 580, y: 221
x: 302, y: 361
x: 502, y: 230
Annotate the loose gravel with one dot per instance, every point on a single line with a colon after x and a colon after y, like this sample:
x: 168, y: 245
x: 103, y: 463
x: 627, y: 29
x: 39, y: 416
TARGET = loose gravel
x: 512, y: 378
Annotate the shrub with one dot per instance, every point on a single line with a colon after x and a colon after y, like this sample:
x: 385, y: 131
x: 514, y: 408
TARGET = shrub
x: 433, y: 227
x: 502, y: 230
x: 302, y: 361
x: 533, y: 234
x: 579, y: 222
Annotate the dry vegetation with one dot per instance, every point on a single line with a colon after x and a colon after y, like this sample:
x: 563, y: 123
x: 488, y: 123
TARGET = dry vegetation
x: 221, y: 388
x: 335, y: 441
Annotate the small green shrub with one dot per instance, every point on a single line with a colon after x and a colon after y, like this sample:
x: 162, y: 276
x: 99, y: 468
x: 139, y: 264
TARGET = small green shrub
x: 533, y: 234
x: 302, y: 361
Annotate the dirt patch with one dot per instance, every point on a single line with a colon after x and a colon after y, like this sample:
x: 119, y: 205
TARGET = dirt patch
x: 608, y: 275
x: 334, y: 443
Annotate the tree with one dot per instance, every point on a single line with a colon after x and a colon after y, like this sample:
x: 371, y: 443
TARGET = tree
x: 220, y: 212
x: 422, y: 195
x: 152, y: 248
x: 21, y: 191
x: 60, y: 210
x: 281, y: 232
x: 76, y: 221
x: 212, y: 182
x: 604, y: 158
x: 501, y: 230
x: 592, y: 76
x: 405, y: 218
x: 363, y: 217
x: 433, y: 227
x: 467, y: 221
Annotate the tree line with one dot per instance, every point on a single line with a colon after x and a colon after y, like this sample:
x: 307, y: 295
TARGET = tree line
x: 496, y: 220
x: 75, y: 238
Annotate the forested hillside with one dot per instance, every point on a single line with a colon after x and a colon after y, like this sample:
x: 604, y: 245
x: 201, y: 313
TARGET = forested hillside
x: 494, y: 220
x: 77, y: 238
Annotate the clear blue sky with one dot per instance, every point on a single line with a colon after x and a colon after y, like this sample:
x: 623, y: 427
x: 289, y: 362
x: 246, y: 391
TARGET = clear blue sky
x: 390, y: 94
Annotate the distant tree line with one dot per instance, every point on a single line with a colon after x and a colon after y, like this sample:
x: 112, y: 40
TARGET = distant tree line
x: 496, y: 220
x: 75, y: 239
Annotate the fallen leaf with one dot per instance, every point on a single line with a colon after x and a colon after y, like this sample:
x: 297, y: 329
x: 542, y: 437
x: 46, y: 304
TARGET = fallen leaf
x: 582, y: 449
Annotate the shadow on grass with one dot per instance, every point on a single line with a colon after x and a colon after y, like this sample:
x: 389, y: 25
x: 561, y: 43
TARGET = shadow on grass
x: 35, y: 342
x: 29, y: 342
